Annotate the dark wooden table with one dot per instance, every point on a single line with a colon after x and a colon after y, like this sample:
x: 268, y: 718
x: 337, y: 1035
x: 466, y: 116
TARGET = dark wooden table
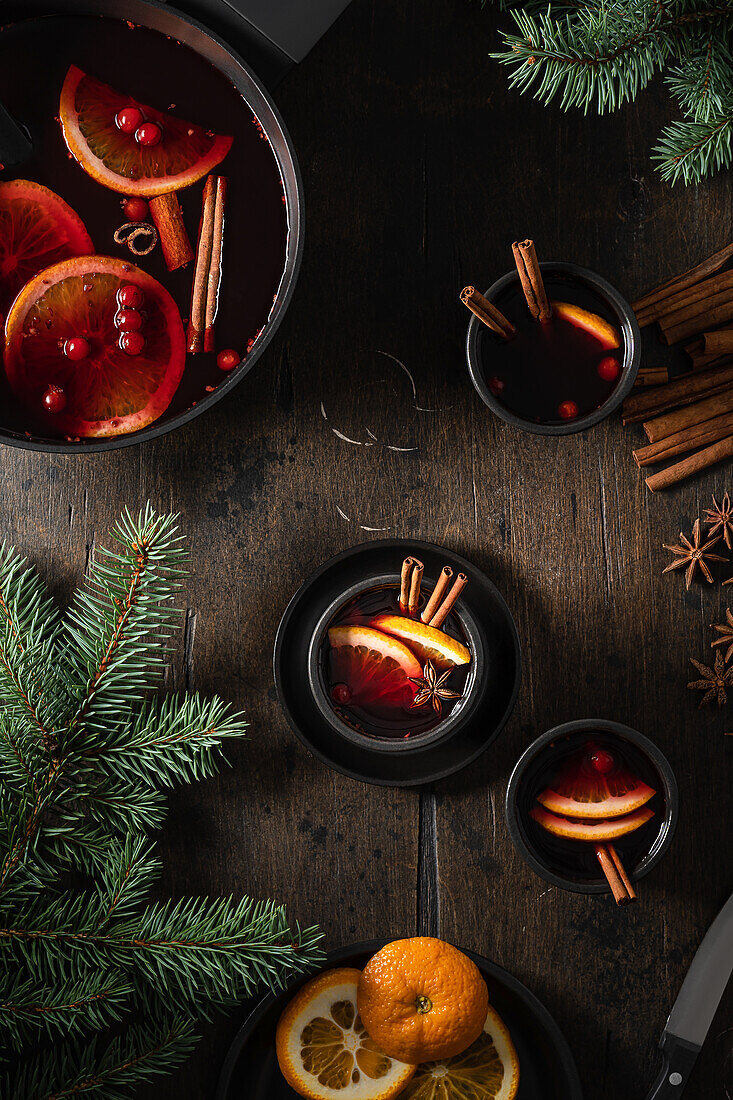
x: 420, y: 168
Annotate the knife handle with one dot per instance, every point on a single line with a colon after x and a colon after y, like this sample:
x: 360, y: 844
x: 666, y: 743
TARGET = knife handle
x: 679, y: 1058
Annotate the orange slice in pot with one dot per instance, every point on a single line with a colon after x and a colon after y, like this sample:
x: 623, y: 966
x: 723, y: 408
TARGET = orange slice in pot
x: 88, y: 111
x: 580, y: 791
x: 597, y: 832
x: 429, y: 643
x: 375, y: 667
x: 592, y: 323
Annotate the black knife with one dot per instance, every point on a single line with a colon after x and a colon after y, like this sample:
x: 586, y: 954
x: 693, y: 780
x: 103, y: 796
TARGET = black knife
x: 696, y: 1004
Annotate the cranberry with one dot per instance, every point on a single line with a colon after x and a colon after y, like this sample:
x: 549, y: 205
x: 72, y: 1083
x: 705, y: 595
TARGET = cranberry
x: 341, y: 694
x: 128, y: 119
x: 54, y: 399
x: 602, y: 761
x: 149, y: 133
x: 130, y: 296
x: 608, y: 369
x: 132, y: 343
x: 227, y: 359
x: 567, y: 410
x: 128, y: 320
x: 76, y: 348
x: 136, y: 210
x: 496, y: 385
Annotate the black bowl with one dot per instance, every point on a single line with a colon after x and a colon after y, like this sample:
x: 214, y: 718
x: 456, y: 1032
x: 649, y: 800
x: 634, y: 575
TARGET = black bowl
x: 374, y: 760
x: 537, y: 760
x: 547, y: 1068
x: 458, y: 715
x: 624, y: 319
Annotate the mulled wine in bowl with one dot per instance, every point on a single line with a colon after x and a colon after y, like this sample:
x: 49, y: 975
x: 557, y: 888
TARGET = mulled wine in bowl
x: 394, y: 673
x: 561, y: 374
x: 592, y: 806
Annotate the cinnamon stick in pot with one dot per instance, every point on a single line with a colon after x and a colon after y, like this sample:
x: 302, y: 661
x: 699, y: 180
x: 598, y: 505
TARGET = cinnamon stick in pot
x: 197, y: 315
x: 530, y: 276
x: 436, y: 597
x: 444, y: 610
x: 487, y: 312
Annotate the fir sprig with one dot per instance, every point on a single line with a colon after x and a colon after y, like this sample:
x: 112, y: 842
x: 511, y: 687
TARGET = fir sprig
x: 597, y: 56
x: 85, y: 760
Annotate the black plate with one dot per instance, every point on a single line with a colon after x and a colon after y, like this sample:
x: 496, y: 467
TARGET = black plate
x: 546, y: 1067
x: 419, y: 765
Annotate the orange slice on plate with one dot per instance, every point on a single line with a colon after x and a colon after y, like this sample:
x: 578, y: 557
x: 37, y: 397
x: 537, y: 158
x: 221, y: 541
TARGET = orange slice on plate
x: 184, y: 154
x: 430, y: 643
x: 322, y: 1047
x: 376, y: 668
x: 109, y: 391
x: 597, y: 832
x: 592, y: 323
x: 37, y: 229
x: 488, y: 1070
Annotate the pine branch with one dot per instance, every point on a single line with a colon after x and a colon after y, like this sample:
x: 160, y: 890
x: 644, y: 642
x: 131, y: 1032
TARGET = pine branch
x: 71, y: 1005
x: 688, y: 150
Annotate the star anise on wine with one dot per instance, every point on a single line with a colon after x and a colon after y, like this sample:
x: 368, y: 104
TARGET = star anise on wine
x: 430, y: 688
x: 725, y: 630
x: 714, y: 680
x: 719, y: 520
x: 693, y: 554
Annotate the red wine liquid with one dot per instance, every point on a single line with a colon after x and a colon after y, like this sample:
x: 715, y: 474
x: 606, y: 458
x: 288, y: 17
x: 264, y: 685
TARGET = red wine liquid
x: 549, y: 369
x: 388, y: 714
x: 575, y: 859
x: 35, y: 55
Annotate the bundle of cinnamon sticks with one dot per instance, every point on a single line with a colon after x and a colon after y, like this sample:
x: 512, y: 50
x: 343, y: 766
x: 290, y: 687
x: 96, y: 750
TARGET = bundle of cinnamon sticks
x: 692, y: 414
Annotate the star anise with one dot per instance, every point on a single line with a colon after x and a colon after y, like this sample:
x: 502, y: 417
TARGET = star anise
x: 693, y: 554
x: 430, y: 688
x: 719, y: 520
x: 714, y: 680
x: 726, y: 633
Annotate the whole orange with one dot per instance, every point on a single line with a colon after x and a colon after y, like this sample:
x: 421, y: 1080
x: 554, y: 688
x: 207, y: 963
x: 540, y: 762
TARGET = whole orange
x: 422, y: 999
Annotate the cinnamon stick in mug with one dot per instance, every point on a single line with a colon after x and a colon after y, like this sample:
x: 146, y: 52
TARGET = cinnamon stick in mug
x: 487, y: 312
x: 530, y: 276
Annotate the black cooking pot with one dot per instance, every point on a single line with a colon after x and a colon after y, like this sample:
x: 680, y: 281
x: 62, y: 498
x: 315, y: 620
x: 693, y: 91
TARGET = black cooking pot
x: 273, y: 36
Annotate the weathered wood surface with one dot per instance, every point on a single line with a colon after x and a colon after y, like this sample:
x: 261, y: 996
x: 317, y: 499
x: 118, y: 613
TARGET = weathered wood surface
x: 420, y: 168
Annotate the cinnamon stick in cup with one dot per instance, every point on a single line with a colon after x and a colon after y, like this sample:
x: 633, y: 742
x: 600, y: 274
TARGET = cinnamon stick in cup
x: 487, y: 312
x: 530, y: 277
x: 197, y: 315
x: 214, y: 281
x: 622, y: 894
x: 413, y: 599
x: 444, y: 609
x: 436, y: 597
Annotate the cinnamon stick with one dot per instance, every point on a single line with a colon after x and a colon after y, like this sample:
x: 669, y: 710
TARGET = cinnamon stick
x: 413, y: 598
x: 622, y: 872
x: 212, y: 289
x: 717, y: 311
x: 699, y: 412
x: 405, y: 576
x: 530, y: 277
x: 682, y: 391
x: 696, y: 295
x: 436, y: 597
x: 487, y: 312
x: 701, y: 460
x: 687, y: 278
x: 718, y: 343
x: 197, y: 315
x: 618, y: 887
x: 165, y: 210
x: 443, y: 610
x: 651, y: 376
x: 688, y: 439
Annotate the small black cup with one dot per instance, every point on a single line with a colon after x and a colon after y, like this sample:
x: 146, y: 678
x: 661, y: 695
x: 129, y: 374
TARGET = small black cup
x: 537, y: 761
x: 624, y: 320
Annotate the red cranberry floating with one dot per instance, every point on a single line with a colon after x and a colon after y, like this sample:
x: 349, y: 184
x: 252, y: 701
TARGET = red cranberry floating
x: 567, y: 410
x: 496, y: 385
x: 128, y: 119
x: 602, y: 761
x: 228, y: 359
x: 608, y: 369
x: 128, y: 320
x: 130, y: 296
x: 148, y: 134
x: 76, y: 348
x: 54, y: 399
x: 136, y: 210
x: 132, y: 343
x: 341, y: 694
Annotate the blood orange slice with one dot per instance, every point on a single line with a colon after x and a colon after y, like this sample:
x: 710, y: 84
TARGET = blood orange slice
x: 37, y: 228
x: 592, y: 323
x: 375, y: 667
x: 583, y: 792
x: 596, y: 831
x: 88, y: 112
x: 432, y: 644
x: 108, y: 391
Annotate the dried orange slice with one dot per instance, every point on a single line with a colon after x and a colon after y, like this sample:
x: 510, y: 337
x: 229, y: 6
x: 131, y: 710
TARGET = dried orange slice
x: 488, y: 1070
x: 596, y: 831
x: 422, y: 999
x: 108, y: 391
x: 323, y: 1049
x: 431, y: 644
x: 592, y: 323
x: 37, y: 229
x: 376, y: 668
x: 88, y: 112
